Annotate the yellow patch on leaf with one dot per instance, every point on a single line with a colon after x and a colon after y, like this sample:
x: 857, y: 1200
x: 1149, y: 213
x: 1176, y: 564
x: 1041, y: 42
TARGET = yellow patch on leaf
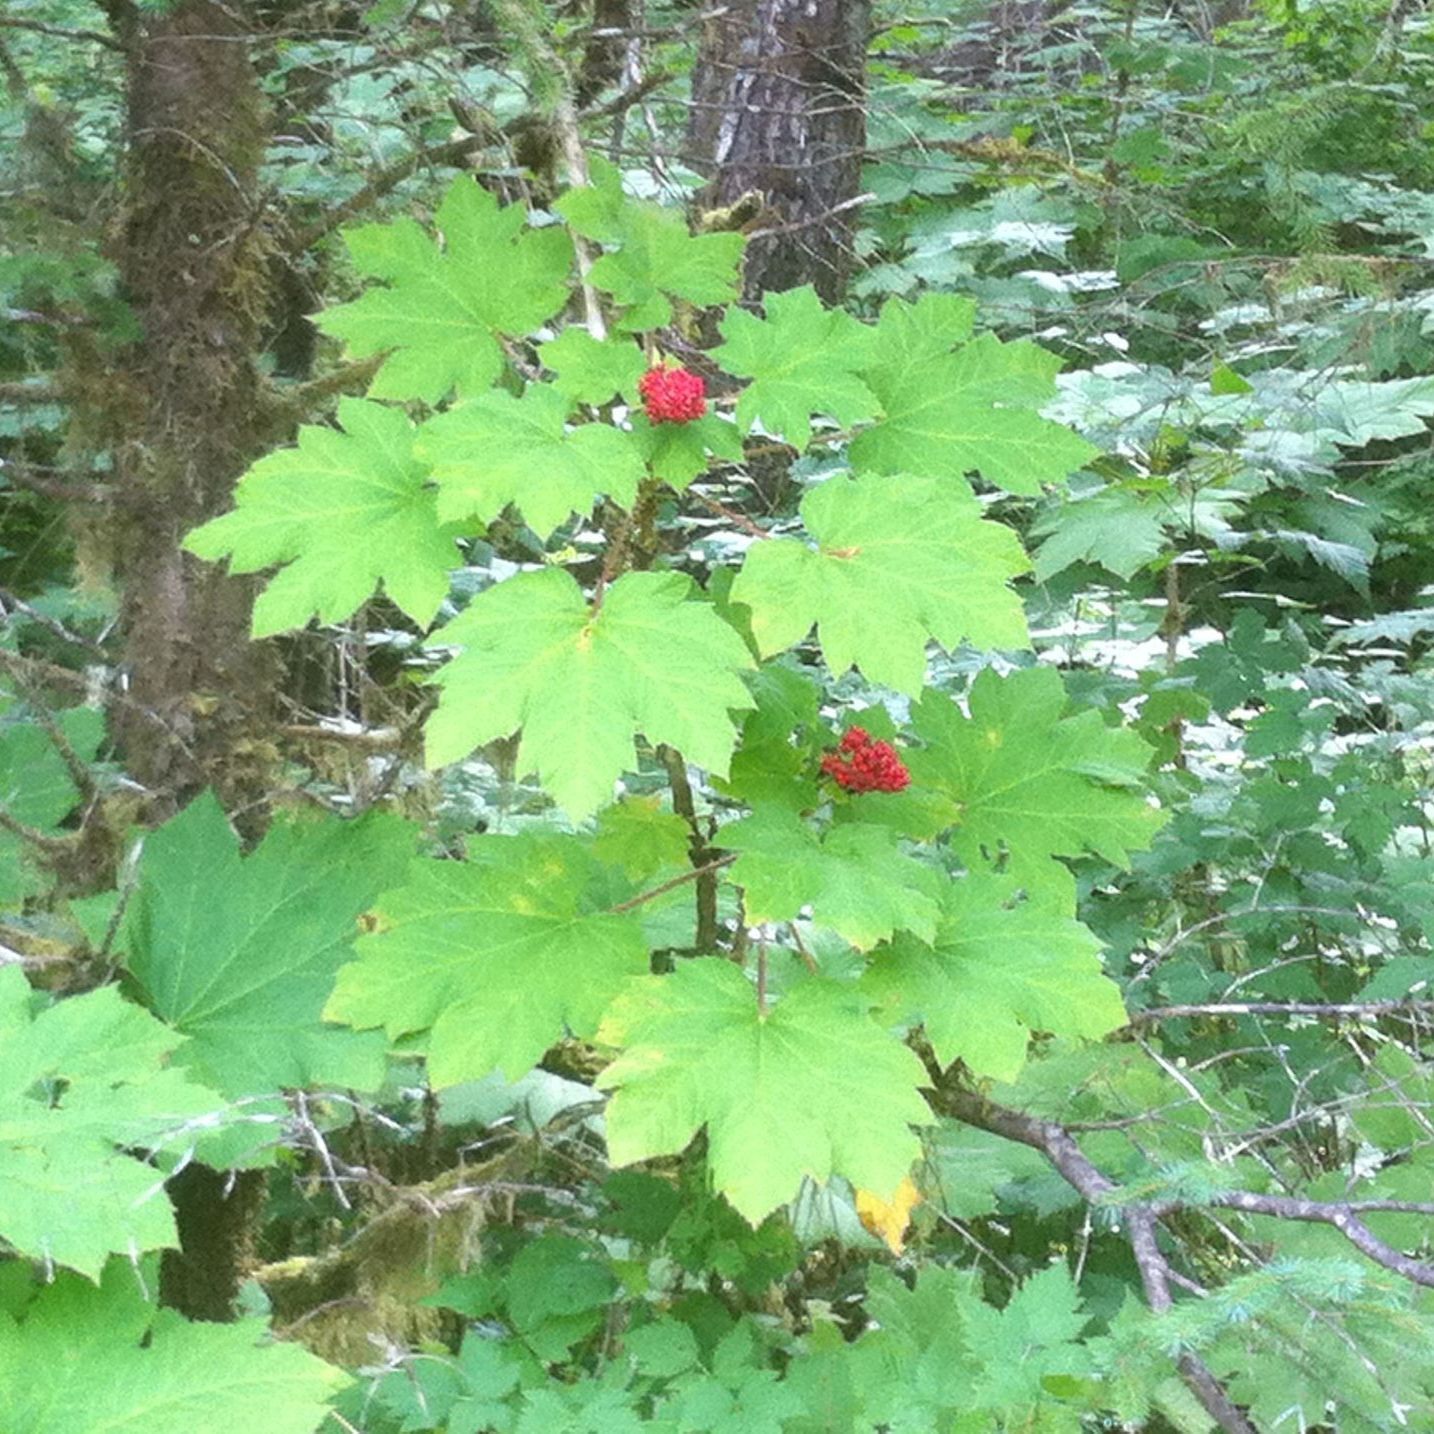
x: 888, y: 1219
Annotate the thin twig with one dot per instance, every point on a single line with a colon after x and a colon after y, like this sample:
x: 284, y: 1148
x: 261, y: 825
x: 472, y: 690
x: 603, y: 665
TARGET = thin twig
x: 696, y: 873
x: 61, y: 32
x: 802, y: 951
x: 1283, y: 1008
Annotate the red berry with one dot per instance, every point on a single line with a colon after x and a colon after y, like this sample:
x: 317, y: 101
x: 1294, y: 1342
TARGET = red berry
x: 672, y: 395
x: 862, y: 765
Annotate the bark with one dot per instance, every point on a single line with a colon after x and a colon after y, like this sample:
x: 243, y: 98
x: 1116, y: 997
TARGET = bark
x: 778, y: 108
x: 183, y: 408
x: 217, y: 1213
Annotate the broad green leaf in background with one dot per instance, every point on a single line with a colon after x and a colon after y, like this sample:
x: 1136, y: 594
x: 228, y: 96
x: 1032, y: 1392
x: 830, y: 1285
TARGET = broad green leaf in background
x: 856, y: 879
x: 498, y: 449
x: 655, y: 258
x: 593, y: 371
x: 992, y: 975
x: 499, y: 957
x: 949, y: 415
x: 342, y: 512
x: 899, y: 560
x: 939, y: 1355
x: 1115, y: 527
x: 1030, y: 783
x: 637, y: 835
x: 444, y: 308
x: 812, y: 1087
x: 239, y: 953
x: 580, y: 683
x: 802, y: 358
x: 85, y: 1089
x: 100, y: 1360
x: 35, y: 785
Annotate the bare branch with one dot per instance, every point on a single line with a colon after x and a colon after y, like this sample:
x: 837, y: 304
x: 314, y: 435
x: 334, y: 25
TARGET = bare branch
x: 296, y: 403
x: 1370, y: 1009
x: 1057, y: 1144
x: 449, y: 153
x: 695, y: 874
x: 61, y: 32
x: 1343, y: 1217
x: 25, y: 393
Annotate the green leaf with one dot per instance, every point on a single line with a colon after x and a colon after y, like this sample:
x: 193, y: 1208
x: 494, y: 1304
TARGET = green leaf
x: 936, y: 432
x: 1119, y: 529
x: 499, y: 957
x: 802, y: 359
x: 656, y: 259
x: 87, y: 1360
x: 810, y: 1088
x: 36, y: 787
x: 994, y: 973
x: 899, y: 560
x: 1031, y: 782
x: 855, y: 878
x: 498, y: 449
x: 580, y: 683
x: 940, y: 1357
x: 637, y: 835
x: 947, y: 414
x: 343, y: 512
x: 445, y: 307
x: 85, y: 1089
x: 908, y: 336
x: 592, y: 371
x: 239, y: 953
x: 678, y: 452
x: 1225, y: 380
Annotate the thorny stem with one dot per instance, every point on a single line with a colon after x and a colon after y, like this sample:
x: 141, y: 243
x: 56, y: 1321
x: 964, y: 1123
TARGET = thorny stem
x: 802, y: 951
x: 699, y: 851
x: 740, y: 520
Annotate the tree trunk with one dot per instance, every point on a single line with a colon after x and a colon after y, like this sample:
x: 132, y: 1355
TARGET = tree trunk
x: 183, y: 407
x: 778, y: 107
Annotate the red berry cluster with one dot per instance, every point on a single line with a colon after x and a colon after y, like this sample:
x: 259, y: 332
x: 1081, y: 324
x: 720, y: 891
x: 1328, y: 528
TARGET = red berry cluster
x: 672, y: 395
x: 861, y: 765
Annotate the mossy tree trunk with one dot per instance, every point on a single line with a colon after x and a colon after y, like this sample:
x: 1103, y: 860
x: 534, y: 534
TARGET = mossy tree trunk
x: 183, y: 412
x: 779, y: 107
x: 184, y: 409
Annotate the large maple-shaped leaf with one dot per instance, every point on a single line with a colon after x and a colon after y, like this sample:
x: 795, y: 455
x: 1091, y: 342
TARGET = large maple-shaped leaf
x: 810, y: 1088
x: 655, y: 259
x: 678, y: 452
x: 343, y: 512
x: 581, y: 683
x: 899, y: 560
x: 88, y: 1360
x: 1032, y: 784
x: 908, y: 335
x: 994, y: 973
x: 239, y: 953
x: 856, y: 879
x: 498, y: 957
x: 949, y: 414
x: 802, y: 359
x: 445, y: 306
x: 85, y: 1089
x: 591, y: 370
x: 498, y: 449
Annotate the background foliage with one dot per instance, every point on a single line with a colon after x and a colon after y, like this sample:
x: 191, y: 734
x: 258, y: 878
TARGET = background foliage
x: 467, y: 1006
